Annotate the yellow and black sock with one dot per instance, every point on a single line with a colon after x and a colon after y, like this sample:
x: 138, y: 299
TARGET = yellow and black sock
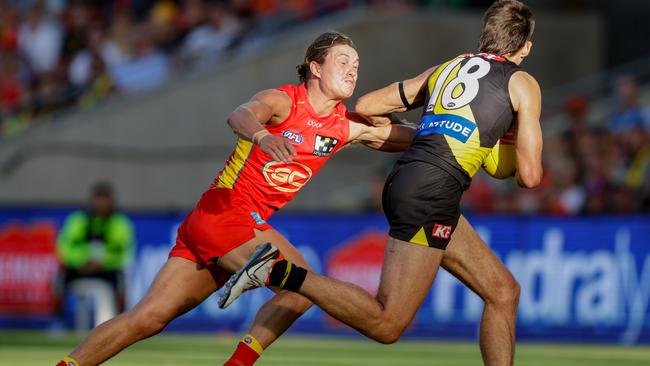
x: 287, y: 275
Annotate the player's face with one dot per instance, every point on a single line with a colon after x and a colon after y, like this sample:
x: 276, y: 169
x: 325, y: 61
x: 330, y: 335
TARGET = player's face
x: 339, y: 71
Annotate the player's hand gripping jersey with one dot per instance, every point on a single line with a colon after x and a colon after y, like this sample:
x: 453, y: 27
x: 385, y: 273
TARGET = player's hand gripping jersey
x: 467, y: 109
x: 252, y: 186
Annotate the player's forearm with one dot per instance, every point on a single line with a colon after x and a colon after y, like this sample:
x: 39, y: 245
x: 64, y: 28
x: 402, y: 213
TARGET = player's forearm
x: 393, y: 138
x: 384, y: 120
x: 529, y: 153
x: 396, y: 97
x: 244, y: 123
x: 380, y: 102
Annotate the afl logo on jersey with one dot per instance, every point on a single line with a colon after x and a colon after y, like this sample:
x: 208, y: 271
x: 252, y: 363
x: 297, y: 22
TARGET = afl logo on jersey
x: 294, y: 136
x: 286, y: 177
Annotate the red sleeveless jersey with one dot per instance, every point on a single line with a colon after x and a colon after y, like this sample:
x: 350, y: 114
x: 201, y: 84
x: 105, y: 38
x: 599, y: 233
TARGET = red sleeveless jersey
x: 267, y: 184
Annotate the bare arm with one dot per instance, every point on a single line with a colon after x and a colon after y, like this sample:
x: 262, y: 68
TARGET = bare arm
x: 267, y: 107
x: 527, y: 101
x: 387, y: 100
x: 389, y: 137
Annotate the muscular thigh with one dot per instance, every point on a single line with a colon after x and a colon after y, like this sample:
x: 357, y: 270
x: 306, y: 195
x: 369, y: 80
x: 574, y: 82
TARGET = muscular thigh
x: 406, y: 278
x: 179, y: 286
x: 469, y: 259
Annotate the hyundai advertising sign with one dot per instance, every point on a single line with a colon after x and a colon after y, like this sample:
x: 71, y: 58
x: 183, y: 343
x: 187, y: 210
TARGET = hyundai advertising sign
x: 582, y: 279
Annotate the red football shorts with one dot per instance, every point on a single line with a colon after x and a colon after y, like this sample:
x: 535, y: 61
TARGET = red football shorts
x: 220, y: 222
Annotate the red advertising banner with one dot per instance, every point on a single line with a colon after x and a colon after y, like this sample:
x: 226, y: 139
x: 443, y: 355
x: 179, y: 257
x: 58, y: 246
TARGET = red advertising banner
x: 359, y: 260
x: 28, y: 268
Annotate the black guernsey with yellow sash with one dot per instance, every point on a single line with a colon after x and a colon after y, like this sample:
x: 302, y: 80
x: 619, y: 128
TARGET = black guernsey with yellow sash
x: 467, y: 109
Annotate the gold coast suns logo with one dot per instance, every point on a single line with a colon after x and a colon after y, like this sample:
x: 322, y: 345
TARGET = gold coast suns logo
x: 286, y: 177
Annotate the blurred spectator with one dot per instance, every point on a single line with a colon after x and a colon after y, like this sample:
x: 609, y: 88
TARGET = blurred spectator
x: 636, y: 143
x: 565, y: 196
x: 207, y: 43
x: 8, y: 28
x: 191, y: 15
x: 162, y: 25
x: 88, y: 72
x: 77, y: 21
x: 147, y: 69
x: 577, y: 111
x: 96, y: 244
x: 12, y: 91
x: 50, y: 94
x: 40, y: 39
x: 118, y: 48
x: 629, y: 113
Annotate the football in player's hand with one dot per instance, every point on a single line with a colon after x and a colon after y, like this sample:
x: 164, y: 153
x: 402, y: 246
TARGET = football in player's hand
x: 501, y: 162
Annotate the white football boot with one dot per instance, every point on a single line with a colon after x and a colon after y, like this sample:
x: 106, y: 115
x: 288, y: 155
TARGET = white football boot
x: 252, y: 275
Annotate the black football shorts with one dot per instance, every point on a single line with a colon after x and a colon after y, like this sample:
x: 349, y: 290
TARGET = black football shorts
x: 422, y: 203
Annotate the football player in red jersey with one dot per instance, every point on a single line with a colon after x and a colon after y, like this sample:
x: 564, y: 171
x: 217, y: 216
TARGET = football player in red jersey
x: 285, y: 136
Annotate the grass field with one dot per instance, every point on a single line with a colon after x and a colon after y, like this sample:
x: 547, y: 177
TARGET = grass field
x: 38, y: 349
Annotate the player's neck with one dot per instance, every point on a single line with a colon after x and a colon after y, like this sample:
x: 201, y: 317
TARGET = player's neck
x: 519, y: 56
x: 515, y: 59
x: 320, y: 102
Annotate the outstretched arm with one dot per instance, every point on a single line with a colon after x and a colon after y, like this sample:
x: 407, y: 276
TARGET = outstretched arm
x: 390, y: 100
x: 527, y: 101
x: 267, y: 107
x: 391, y: 137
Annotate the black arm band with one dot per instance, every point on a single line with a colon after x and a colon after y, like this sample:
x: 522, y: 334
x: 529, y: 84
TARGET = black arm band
x: 406, y: 103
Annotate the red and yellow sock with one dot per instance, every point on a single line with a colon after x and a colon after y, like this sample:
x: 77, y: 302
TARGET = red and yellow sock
x: 248, y: 351
x: 68, y: 361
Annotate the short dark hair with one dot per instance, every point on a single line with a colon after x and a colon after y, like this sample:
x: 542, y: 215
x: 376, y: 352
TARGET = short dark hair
x: 507, y: 26
x: 317, y: 51
x: 102, y: 189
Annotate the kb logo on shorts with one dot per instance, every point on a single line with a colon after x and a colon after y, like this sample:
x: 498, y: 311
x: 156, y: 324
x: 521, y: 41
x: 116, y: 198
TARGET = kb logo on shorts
x: 441, y: 231
x: 286, y: 177
x: 324, y: 145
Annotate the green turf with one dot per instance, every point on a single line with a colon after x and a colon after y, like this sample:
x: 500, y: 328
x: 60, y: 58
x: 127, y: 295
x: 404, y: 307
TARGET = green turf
x: 37, y: 349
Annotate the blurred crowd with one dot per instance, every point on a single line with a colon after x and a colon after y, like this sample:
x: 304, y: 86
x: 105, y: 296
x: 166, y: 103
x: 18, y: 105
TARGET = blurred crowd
x: 591, y: 167
x: 55, y: 54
